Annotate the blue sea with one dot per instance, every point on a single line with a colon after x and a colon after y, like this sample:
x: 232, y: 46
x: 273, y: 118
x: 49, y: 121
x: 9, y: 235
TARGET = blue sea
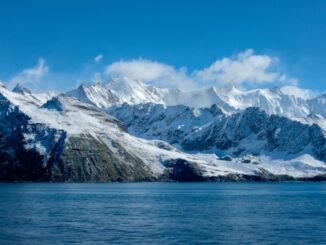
x: 163, y: 213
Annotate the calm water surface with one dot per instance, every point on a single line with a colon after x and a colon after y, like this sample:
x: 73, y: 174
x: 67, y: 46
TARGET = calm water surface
x: 163, y: 213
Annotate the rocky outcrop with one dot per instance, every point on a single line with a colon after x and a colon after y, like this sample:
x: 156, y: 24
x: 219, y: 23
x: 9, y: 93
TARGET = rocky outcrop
x: 85, y: 158
x: 182, y: 170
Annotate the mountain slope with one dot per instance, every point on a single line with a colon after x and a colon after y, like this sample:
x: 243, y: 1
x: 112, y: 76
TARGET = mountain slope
x: 52, y: 148
x: 115, y: 92
x: 64, y: 139
x: 251, y: 132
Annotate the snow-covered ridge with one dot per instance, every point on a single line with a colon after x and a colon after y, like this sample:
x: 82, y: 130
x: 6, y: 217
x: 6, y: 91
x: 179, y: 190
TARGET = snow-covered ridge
x: 292, y: 102
x: 117, y: 91
x: 251, y: 131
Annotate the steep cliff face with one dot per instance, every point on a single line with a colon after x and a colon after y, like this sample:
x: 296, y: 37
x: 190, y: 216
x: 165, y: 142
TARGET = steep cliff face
x: 252, y: 131
x: 85, y: 158
x: 26, y: 150
x: 169, y: 123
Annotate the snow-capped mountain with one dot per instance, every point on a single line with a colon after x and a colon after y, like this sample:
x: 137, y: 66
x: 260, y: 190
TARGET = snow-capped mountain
x: 106, y: 132
x: 39, y: 98
x: 116, y: 92
x: 65, y: 139
x: 317, y: 105
x: 292, y: 102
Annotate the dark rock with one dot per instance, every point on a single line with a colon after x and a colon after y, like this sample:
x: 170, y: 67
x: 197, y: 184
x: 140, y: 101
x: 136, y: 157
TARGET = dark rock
x: 246, y: 161
x: 226, y: 158
x: 182, y: 170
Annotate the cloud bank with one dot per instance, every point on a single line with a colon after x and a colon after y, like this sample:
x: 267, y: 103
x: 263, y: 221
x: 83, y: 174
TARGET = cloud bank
x: 153, y: 72
x: 245, y: 69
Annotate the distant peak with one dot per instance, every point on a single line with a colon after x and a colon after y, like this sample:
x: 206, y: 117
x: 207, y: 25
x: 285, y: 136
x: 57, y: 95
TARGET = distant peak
x: 82, y: 86
x: 21, y: 89
x: 275, y: 89
x: 231, y: 88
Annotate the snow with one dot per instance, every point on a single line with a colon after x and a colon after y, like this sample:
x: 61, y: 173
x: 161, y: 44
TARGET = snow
x: 289, y: 101
x: 117, y: 92
x: 302, y: 166
x: 249, y: 132
x: 297, y: 92
x: 81, y: 113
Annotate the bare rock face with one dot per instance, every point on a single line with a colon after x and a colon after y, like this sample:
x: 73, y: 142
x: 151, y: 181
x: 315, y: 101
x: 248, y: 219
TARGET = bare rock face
x: 252, y: 131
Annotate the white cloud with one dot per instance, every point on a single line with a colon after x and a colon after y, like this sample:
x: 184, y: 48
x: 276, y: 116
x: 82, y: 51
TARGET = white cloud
x: 98, y: 58
x: 31, y: 75
x: 288, y: 80
x: 151, y: 71
x: 245, y: 68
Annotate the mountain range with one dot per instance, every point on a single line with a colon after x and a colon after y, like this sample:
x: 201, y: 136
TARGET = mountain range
x: 126, y: 130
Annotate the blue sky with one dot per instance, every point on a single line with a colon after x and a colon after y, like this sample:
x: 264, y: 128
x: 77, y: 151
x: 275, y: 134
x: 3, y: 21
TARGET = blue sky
x: 62, y: 38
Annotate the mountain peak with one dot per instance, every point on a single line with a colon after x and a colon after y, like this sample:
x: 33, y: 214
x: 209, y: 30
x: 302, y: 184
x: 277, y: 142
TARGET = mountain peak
x: 134, y: 91
x: 124, y: 83
x: 21, y: 89
x: 288, y: 101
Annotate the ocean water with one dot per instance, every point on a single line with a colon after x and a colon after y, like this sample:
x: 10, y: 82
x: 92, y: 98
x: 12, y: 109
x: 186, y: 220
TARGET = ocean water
x: 163, y: 213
